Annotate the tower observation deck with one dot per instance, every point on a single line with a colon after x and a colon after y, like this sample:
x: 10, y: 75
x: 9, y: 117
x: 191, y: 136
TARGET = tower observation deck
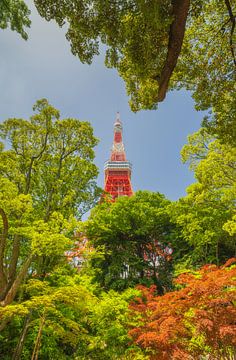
x: 117, y: 169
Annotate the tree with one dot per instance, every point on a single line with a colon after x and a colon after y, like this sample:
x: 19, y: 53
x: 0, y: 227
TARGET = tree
x: 144, y: 39
x: 47, y: 182
x: 207, y: 65
x: 133, y: 240
x: 160, y: 45
x: 50, y: 320
x: 155, y: 46
x: 193, y: 322
x: 207, y: 212
x: 51, y: 159
x: 64, y: 316
x: 15, y: 14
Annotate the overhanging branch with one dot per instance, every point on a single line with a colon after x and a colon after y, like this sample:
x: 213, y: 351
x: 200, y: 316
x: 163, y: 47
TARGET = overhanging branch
x: 232, y: 19
x: 176, y: 36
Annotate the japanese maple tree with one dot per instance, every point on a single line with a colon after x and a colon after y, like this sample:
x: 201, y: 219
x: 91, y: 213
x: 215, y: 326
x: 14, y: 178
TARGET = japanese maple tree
x: 196, y: 320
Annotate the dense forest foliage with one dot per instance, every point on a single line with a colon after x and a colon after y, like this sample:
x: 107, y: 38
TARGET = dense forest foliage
x: 127, y: 283
x: 143, y: 277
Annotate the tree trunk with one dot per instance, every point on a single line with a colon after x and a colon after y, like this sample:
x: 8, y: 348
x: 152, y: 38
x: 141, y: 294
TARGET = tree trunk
x: 4, y: 323
x: 38, y: 339
x: 3, y: 239
x: 11, y: 293
x: 19, y: 348
x: 14, y: 259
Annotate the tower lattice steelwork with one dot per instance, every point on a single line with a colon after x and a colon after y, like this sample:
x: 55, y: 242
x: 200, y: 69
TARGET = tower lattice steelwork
x: 117, y: 169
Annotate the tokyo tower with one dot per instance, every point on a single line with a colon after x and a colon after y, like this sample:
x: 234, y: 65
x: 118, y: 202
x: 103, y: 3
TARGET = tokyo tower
x: 117, y: 169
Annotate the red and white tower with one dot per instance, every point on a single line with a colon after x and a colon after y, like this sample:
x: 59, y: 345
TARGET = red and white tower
x: 117, y: 169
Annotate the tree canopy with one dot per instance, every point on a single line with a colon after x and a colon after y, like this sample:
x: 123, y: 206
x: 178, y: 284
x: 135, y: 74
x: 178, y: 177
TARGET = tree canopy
x: 63, y: 317
x: 15, y: 14
x: 47, y: 182
x: 193, y: 322
x: 51, y: 159
x: 207, y: 214
x: 136, y: 239
x: 156, y: 46
x: 152, y: 283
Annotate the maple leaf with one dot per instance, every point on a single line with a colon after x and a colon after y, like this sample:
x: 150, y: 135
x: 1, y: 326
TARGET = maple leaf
x: 204, y: 308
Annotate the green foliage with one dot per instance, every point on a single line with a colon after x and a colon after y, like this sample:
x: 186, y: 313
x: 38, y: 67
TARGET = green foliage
x: 47, y: 179
x: 28, y: 236
x: 133, y: 237
x: 207, y: 213
x: 207, y: 65
x: 76, y: 322
x: 63, y: 309
x: 138, y: 36
x: 47, y: 182
x: 15, y: 14
x: 230, y: 226
x: 135, y: 33
x: 51, y: 159
x: 109, y: 319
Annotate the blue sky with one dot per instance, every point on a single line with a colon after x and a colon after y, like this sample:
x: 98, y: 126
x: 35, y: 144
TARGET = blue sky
x: 44, y: 67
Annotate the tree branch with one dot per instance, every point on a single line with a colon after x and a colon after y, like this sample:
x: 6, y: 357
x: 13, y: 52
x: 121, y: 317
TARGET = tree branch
x: 38, y: 338
x: 51, y: 192
x: 232, y: 19
x: 3, y: 240
x: 14, y: 259
x: 36, y: 157
x: 176, y: 36
x: 15, y: 286
x: 18, y: 351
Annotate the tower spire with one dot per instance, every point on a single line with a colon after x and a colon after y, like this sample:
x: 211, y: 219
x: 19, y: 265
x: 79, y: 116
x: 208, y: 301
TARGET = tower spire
x: 117, y: 169
x: 118, y: 149
x: 118, y: 117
